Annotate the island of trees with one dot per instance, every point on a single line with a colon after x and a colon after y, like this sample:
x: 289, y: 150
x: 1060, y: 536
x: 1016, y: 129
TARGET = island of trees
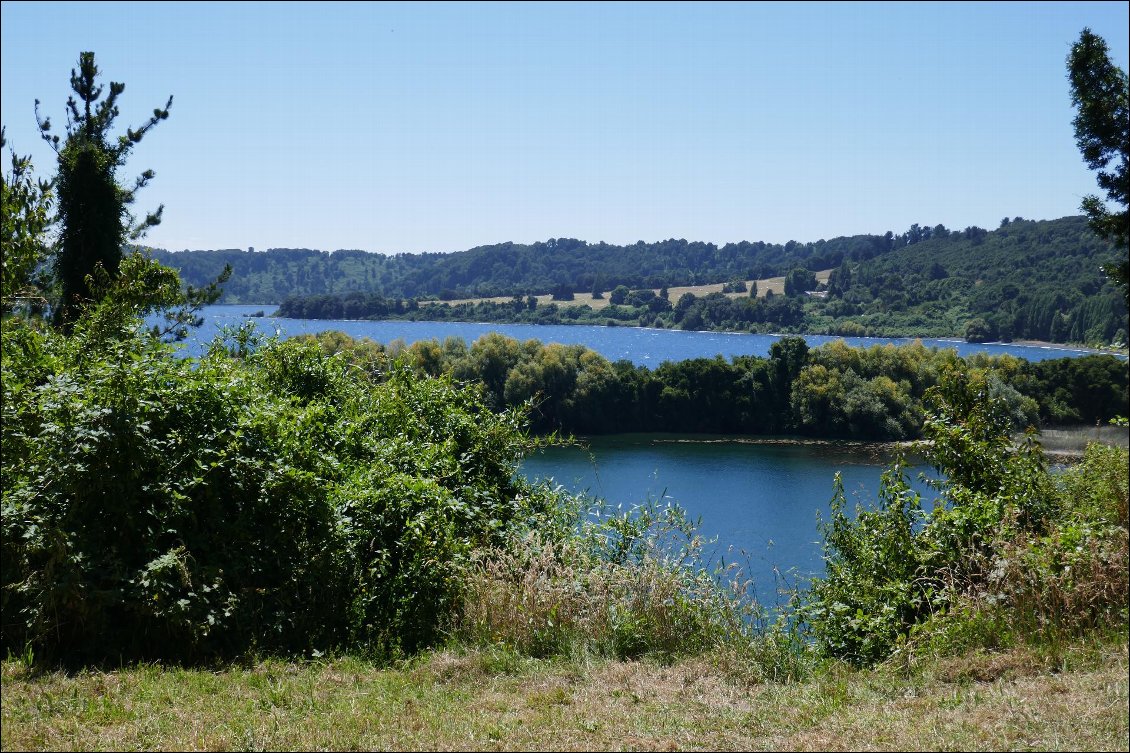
x: 832, y: 391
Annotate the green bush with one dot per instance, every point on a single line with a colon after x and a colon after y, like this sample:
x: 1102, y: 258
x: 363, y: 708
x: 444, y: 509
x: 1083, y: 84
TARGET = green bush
x: 1008, y: 551
x: 263, y: 497
x: 873, y: 588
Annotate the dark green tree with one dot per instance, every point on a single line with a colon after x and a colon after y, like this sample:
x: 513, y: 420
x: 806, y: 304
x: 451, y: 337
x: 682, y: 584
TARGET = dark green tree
x: 1099, y: 92
x: 978, y: 331
x: 93, y: 208
x: 839, y: 281
x: 798, y: 280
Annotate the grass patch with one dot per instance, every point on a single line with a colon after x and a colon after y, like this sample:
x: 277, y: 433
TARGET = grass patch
x: 774, y: 284
x: 459, y: 699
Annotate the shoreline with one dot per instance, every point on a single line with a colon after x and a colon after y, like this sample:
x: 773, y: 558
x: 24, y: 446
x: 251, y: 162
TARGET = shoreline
x: 1065, y: 346
x: 880, y: 447
x: 944, y: 338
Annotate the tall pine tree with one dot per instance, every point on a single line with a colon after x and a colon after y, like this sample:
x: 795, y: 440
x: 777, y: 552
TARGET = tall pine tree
x: 1099, y: 91
x: 93, y: 208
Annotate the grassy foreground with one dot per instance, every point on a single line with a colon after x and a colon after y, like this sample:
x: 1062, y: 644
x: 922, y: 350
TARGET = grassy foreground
x: 1073, y: 698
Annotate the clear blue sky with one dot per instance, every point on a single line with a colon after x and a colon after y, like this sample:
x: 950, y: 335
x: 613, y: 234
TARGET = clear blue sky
x: 438, y: 127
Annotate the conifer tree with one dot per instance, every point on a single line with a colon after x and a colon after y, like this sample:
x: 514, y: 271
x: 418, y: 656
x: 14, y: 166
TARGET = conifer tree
x: 93, y: 208
x: 1099, y: 91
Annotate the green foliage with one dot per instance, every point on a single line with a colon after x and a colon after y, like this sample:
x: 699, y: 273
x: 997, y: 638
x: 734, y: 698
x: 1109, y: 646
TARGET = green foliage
x: 25, y: 217
x: 1097, y: 489
x: 1025, y: 280
x: 799, y: 280
x: 978, y: 331
x: 1006, y: 550
x: 1050, y: 585
x: 266, y: 497
x: 875, y: 393
x: 93, y: 214
x: 873, y: 588
x: 1100, y: 92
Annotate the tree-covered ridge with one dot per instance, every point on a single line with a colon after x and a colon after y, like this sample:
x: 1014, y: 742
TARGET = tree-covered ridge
x: 509, y: 268
x: 1038, y: 280
x: 1027, y: 279
x: 513, y: 268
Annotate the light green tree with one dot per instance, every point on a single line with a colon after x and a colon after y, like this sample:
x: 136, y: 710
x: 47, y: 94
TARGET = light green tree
x: 25, y: 219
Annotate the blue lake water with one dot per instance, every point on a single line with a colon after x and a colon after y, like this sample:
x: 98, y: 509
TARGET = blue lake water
x: 759, y: 501
x: 647, y: 347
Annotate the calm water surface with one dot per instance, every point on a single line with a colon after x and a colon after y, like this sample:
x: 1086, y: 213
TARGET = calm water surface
x: 759, y: 500
x: 646, y: 347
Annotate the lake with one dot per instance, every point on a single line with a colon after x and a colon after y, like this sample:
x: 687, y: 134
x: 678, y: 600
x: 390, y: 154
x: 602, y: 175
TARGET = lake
x: 758, y: 498
x: 641, y: 346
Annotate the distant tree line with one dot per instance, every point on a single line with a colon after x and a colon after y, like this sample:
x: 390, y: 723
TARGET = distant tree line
x: 638, y: 308
x: 559, y: 265
x: 833, y: 391
x: 542, y: 267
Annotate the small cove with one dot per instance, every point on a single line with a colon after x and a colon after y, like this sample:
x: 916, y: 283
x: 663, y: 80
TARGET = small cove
x: 758, y: 501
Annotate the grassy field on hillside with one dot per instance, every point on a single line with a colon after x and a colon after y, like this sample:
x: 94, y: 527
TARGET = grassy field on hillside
x: 775, y: 284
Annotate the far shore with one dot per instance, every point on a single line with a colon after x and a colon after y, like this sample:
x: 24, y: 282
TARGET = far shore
x: 1064, y: 346
x: 1063, y: 443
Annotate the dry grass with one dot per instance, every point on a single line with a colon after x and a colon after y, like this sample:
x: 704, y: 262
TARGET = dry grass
x: 776, y: 284
x: 542, y: 599
x: 490, y: 700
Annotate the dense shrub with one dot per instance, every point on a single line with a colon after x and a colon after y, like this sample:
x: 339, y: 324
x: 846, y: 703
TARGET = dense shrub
x: 264, y: 497
x: 1006, y: 552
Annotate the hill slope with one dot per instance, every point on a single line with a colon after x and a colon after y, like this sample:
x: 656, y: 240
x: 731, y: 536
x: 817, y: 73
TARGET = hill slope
x: 1027, y: 279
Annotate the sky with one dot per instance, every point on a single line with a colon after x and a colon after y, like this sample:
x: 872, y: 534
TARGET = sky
x: 424, y: 127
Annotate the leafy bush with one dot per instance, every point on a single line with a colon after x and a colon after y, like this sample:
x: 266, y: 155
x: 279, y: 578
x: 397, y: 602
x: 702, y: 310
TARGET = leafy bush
x: 264, y: 497
x: 872, y: 590
x: 1007, y: 550
x: 1047, y: 585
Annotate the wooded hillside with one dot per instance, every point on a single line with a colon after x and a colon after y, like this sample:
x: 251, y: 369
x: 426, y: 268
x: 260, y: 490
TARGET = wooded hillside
x: 1025, y: 280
